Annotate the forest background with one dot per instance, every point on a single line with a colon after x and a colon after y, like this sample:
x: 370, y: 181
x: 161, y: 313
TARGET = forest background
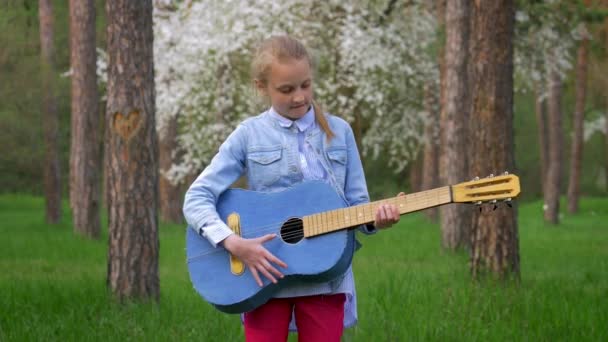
x: 56, y: 262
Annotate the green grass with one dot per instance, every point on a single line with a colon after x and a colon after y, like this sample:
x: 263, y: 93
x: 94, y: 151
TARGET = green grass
x: 52, y: 285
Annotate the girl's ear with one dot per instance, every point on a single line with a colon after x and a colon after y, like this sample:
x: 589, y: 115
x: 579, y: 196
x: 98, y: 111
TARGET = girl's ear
x: 261, y: 87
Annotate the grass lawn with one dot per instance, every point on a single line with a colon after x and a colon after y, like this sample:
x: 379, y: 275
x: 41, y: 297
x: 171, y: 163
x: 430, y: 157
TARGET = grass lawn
x: 52, y: 285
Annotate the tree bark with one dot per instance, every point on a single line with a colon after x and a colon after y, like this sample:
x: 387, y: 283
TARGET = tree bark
x: 170, y: 194
x: 455, y: 219
x: 578, y: 121
x: 606, y: 147
x: 555, y: 146
x: 132, y: 152
x: 85, y: 154
x: 415, y: 173
x: 605, y: 3
x: 494, y: 236
x: 541, y: 121
x: 430, y: 167
x: 50, y: 117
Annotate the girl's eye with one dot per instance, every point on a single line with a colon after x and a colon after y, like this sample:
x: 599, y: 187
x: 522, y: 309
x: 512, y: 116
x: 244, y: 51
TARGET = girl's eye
x: 306, y: 85
x: 285, y: 90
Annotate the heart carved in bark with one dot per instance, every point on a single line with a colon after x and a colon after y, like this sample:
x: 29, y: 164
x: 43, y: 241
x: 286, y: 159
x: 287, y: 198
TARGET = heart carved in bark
x: 127, y: 125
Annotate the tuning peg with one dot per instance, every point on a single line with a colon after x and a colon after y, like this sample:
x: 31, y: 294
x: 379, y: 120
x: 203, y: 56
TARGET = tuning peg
x: 491, y: 175
x: 508, y: 201
x: 495, y: 205
x: 506, y: 173
x: 476, y: 178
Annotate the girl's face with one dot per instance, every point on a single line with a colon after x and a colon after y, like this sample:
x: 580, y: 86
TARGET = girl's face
x: 289, y: 88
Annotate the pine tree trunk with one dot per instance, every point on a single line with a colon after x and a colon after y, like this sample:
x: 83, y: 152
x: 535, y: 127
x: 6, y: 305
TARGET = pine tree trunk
x: 85, y: 154
x: 541, y: 122
x: 132, y: 152
x: 430, y: 167
x: 494, y: 235
x: 50, y: 117
x: 170, y: 195
x: 555, y: 146
x: 578, y: 121
x: 455, y: 219
x: 606, y: 147
x: 415, y: 173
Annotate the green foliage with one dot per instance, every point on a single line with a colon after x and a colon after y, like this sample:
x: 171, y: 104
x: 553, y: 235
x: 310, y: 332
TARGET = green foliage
x: 53, y: 285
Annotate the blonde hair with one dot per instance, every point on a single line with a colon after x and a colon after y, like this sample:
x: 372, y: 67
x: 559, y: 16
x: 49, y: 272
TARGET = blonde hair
x: 283, y: 49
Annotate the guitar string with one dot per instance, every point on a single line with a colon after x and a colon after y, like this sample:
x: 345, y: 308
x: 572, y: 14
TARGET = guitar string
x: 361, y: 207
x: 416, y: 199
x: 337, y: 220
x: 426, y: 199
x: 426, y: 196
x: 333, y: 220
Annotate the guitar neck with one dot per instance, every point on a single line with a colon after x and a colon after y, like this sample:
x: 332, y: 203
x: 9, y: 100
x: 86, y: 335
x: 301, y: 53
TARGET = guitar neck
x: 330, y: 221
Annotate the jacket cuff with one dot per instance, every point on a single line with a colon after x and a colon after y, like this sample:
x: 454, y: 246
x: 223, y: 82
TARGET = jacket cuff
x: 215, y: 232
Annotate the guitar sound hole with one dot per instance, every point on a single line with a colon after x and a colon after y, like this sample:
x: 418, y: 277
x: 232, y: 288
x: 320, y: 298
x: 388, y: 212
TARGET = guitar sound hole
x: 292, y: 230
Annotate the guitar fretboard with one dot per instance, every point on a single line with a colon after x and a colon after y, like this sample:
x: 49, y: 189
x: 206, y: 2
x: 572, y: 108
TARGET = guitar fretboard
x: 330, y: 221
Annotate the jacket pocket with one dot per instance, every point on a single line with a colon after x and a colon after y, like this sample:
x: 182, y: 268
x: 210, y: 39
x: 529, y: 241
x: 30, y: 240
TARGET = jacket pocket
x: 337, y: 158
x: 264, y: 163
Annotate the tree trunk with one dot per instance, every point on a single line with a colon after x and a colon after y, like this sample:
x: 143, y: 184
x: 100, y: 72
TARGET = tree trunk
x: 430, y: 167
x: 170, y: 195
x: 50, y: 117
x: 132, y: 152
x: 415, y: 173
x: 441, y: 8
x: 555, y: 145
x: 606, y: 147
x: 85, y: 154
x: 541, y: 121
x: 455, y: 219
x: 605, y: 29
x: 578, y: 121
x: 494, y: 235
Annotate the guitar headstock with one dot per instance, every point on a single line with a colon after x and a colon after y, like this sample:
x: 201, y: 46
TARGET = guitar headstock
x: 488, y: 189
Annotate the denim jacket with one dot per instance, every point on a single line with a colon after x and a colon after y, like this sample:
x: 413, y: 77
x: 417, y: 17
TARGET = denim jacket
x: 268, y: 154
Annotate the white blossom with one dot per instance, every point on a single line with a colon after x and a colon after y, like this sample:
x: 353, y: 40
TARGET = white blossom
x: 376, y: 69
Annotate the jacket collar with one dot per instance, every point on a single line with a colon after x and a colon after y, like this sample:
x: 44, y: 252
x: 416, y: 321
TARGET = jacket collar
x: 302, y: 123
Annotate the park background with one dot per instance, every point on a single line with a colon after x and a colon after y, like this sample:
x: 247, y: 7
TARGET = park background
x: 412, y: 283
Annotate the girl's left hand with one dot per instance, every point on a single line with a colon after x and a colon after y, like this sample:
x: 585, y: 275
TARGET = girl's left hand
x: 387, y: 215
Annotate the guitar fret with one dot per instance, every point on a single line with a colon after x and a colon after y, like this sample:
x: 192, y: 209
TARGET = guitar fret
x: 334, y: 219
x: 323, y: 223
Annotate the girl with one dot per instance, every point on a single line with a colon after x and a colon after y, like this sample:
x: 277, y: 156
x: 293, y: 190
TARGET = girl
x: 292, y: 141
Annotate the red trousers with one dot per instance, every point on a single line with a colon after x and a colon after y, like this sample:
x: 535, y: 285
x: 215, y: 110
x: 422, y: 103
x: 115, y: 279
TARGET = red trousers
x: 318, y: 318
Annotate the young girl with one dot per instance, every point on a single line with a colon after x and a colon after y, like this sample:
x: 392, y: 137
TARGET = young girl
x: 291, y: 142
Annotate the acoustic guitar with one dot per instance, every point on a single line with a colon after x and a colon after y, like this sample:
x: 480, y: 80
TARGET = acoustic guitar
x: 314, y: 234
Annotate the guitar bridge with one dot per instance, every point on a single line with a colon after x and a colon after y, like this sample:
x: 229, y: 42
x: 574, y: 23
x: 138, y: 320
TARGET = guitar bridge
x: 237, y: 267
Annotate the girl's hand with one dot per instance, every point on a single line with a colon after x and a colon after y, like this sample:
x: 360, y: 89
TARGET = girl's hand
x: 257, y: 258
x: 387, y: 215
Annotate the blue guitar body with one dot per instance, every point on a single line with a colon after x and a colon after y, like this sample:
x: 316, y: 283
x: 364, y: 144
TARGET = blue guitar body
x: 316, y: 259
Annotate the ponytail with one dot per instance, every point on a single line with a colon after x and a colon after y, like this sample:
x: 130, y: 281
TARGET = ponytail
x: 322, y: 121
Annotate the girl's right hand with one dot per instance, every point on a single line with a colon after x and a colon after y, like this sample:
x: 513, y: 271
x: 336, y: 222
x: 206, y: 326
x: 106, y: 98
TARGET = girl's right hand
x: 257, y: 258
